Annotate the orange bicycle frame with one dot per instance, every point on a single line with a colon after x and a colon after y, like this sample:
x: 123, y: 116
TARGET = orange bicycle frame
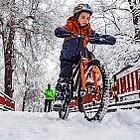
x: 94, y: 71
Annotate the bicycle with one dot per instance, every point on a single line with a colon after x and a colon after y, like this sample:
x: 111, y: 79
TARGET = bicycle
x: 88, y: 81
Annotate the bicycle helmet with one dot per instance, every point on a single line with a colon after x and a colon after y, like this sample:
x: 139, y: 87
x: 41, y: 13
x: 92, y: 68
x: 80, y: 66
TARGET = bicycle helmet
x: 82, y: 8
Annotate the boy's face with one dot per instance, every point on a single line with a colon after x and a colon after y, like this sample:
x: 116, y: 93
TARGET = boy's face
x: 84, y: 18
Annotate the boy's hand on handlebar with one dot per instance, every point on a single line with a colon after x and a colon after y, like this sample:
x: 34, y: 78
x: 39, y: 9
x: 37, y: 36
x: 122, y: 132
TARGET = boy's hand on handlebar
x: 103, y: 39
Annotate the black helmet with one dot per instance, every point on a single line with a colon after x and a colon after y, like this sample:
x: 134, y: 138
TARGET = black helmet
x: 49, y: 84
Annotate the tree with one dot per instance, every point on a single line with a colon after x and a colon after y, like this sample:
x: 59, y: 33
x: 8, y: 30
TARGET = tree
x: 35, y: 33
x: 27, y: 31
x: 135, y: 10
x: 115, y: 17
x: 8, y: 33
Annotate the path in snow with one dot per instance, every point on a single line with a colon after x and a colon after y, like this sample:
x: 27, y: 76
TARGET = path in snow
x: 121, y: 125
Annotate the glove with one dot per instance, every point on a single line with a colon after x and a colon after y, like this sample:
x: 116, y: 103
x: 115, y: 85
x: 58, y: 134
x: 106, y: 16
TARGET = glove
x: 108, y: 39
x: 61, y: 32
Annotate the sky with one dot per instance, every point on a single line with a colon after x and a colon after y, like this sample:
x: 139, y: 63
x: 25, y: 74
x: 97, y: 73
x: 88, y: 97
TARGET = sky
x: 16, y: 125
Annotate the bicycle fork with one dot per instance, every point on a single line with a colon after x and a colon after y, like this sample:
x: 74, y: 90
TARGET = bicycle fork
x: 94, y: 71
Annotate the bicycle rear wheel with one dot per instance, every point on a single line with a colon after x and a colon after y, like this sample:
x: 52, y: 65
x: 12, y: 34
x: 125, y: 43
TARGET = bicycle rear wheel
x: 64, y: 112
x: 95, y: 102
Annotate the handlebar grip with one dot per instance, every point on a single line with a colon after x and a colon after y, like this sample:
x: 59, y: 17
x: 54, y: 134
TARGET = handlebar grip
x: 106, y: 40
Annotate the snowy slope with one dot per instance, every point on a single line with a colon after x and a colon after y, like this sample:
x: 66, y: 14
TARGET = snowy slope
x: 121, y: 125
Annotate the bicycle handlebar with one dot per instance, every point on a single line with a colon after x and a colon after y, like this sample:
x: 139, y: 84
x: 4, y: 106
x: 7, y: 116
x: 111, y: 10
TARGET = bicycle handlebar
x: 101, y: 39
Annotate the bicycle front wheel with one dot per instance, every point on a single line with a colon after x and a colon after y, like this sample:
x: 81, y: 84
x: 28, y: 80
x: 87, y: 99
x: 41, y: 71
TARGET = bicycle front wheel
x: 96, y: 97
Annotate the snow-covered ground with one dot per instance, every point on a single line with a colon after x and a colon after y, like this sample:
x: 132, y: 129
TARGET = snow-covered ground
x: 120, y: 125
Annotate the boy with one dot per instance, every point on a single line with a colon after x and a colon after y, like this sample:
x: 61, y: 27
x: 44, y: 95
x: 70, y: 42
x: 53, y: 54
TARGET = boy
x: 78, y: 24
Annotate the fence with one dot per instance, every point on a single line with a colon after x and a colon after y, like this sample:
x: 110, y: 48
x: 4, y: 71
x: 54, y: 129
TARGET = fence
x: 6, y: 103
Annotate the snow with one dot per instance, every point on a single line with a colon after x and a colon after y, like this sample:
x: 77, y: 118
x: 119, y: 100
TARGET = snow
x: 120, y: 125
x: 123, y: 124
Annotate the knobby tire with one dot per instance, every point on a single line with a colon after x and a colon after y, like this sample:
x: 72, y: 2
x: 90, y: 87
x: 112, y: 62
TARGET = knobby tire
x: 101, y: 107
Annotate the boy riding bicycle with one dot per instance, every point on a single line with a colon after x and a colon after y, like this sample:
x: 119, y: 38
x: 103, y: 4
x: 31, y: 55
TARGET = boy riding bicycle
x: 77, y: 25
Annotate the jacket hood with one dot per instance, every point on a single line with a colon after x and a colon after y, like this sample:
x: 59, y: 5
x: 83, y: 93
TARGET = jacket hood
x: 72, y: 25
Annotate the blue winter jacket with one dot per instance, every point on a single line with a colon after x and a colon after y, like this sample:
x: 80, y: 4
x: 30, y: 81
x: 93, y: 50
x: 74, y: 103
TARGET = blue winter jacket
x: 72, y: 47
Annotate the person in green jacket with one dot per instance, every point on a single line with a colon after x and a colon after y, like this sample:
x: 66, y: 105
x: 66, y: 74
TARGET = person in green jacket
x: 49, y: 96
